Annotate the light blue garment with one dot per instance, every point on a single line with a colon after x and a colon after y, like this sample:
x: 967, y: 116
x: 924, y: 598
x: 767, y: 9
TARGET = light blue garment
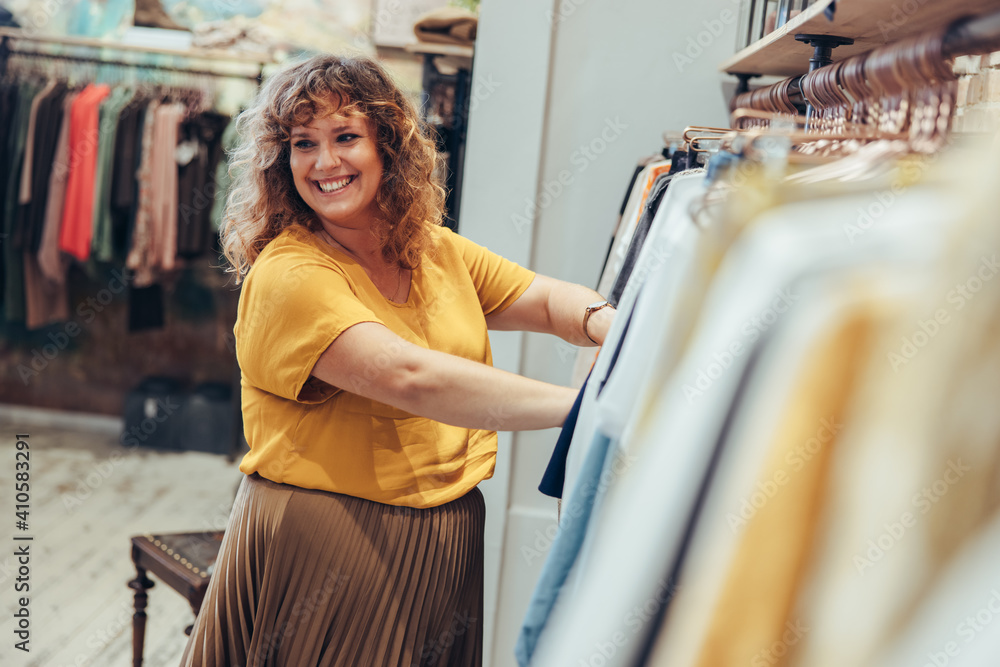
x: 587, y: 492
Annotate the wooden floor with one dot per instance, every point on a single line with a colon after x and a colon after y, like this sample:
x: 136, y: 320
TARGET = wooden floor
x: 89, y: 495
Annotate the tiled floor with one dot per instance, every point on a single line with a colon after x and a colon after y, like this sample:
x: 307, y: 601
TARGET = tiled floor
x: 89, y: 495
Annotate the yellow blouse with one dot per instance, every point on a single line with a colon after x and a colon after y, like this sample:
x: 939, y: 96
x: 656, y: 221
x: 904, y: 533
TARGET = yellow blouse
x: 300, y: 294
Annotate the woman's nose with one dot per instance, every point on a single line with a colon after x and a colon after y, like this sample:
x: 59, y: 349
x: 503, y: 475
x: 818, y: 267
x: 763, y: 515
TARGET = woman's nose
x: 328, y: 158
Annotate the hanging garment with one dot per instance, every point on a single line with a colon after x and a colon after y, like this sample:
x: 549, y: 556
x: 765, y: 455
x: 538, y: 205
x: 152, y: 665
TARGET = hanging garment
x: 554, y: 477
x: 931, y: 486
x: 102, y: 244
x: 164, y: 211
x: 124, y: 182
x: 669, y: 223
x: 51, y: 261
x: 639, y: 237
x: 140, y: 256
x: 78, y: 214
x: 198, y: 157
x: 12, y: 256
x: 24, y: 190
x: 780, y: 252
x: 625, y: 201
x: 685, y: 188
x: 780, y: 533
x: 623, y: 234
x: 620, y: 241
x: 586, y: 493
x: 130, y: 215
x: 947, y: 624
x: 756, y: 477
x: 46, y: 302
x: 46, y: 139
x: 39, y: 146
x: 46, y: 296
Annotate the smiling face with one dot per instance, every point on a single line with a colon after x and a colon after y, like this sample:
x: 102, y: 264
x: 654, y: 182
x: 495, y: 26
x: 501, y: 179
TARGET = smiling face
x: 337, y: 169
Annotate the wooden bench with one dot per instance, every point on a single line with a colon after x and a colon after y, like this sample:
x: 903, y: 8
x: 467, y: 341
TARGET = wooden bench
x: 183, y: 561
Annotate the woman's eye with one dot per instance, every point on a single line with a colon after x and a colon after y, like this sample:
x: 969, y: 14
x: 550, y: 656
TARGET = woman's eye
x: 302, y: 143
x: 347, y: 138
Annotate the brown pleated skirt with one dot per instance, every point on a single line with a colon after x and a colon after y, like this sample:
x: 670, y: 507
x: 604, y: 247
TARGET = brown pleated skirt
x: 310, y: 578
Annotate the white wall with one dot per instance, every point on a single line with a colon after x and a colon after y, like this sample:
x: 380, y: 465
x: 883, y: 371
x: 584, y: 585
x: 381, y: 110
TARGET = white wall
x: 503, y: 159
x: 580, y: 90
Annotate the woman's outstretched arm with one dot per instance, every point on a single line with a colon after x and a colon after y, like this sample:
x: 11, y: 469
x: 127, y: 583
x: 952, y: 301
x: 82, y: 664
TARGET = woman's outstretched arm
x: 370, y: 360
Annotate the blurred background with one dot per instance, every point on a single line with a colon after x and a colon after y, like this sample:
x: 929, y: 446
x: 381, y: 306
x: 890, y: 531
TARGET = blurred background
x: 118, y: 364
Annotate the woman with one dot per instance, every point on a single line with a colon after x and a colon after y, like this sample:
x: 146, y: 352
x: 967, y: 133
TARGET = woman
x: 369, y: 399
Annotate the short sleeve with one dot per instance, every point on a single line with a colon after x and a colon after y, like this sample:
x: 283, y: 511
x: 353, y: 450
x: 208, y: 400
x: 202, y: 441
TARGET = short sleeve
x: 499, y: 282
x: 291, y: 309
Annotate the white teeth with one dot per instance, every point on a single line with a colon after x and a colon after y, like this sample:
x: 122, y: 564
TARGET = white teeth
x: 333, y: 186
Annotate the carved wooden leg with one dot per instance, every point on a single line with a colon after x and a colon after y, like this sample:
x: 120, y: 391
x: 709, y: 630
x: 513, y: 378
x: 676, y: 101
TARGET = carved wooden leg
x: 140, y: 585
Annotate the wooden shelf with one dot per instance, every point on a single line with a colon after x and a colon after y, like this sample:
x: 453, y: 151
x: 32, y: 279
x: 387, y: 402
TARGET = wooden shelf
x: 871, y: 23
x: 435, y: 48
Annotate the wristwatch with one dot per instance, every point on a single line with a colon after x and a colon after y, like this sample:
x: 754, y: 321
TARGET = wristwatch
x: 591, y: 309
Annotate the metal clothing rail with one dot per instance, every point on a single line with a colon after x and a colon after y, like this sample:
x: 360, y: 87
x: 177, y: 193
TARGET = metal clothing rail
x: 6, y: 50
x: 974, y: 35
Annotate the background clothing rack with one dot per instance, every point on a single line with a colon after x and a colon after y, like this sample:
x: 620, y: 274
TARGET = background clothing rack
x: 15, y: 42
x: 7, y: 35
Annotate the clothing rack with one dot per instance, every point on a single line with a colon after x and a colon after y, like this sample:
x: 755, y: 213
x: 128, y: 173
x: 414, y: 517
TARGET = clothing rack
x: 11, y: 43
x: 972, y: 35
x: 6, y: 50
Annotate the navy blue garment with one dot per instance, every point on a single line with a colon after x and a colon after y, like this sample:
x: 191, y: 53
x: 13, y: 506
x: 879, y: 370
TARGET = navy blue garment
x: 555, y: 472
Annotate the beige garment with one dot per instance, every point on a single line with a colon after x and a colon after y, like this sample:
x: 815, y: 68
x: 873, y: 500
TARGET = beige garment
x: 167, y: 186
x: 158, y: 193
x: 24, y: 196
x: 162, y: 248
x: 917, y: 471
x: 140, y: 255
x: 45, y: 301
x: 447, y: 25
x: 928, y: 448
x: 52, y: 263
x: 754, y: 608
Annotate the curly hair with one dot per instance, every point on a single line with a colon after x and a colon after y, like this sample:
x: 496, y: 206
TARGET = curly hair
x: 263, y: 200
